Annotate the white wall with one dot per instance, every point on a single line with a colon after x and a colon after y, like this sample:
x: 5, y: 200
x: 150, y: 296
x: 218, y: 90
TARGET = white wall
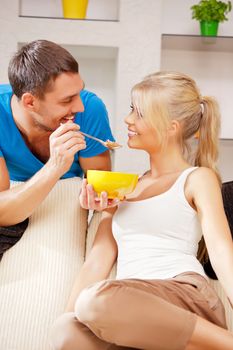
x: 213, y: 78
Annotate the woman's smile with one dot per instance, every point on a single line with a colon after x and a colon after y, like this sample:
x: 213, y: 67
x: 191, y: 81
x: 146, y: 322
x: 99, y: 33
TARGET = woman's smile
x: 132, y: 133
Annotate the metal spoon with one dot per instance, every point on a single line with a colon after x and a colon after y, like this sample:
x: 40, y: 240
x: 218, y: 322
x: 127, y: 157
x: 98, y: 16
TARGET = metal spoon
x: 109, y: 144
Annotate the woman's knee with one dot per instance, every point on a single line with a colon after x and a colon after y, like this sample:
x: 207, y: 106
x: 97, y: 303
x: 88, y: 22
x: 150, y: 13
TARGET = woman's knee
x: 61, y: 332
x: 94, y: 302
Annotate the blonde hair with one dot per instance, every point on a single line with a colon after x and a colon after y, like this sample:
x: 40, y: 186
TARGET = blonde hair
x: 165, y: 96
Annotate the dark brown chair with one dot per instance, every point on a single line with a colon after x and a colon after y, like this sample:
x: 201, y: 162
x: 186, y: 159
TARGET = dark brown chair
x: 9, y: 235
x: 227, y: 194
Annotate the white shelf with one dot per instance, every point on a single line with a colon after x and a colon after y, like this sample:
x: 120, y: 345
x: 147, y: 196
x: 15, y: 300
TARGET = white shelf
x: 101, y: 10
x: 197, y: 43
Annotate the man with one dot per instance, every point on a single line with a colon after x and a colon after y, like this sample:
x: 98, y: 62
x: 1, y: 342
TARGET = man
x: 41, y: 113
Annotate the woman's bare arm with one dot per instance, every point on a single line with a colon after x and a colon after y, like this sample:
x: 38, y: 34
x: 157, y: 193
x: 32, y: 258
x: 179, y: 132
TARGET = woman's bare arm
x: 100, y: 260
x: 216, y: 231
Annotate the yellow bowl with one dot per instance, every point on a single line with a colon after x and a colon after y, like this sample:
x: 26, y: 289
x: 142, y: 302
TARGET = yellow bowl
x: 116, y: 184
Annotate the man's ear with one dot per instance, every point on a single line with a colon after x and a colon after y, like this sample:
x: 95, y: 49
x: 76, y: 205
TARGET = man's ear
x: 28, y: 101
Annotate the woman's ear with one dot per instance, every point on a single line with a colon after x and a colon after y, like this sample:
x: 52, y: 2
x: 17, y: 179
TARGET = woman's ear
x: 174, y: 128
x: 28, y: 101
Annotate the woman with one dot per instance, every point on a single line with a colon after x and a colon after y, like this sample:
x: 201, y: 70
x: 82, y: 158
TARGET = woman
x: 161, y: 298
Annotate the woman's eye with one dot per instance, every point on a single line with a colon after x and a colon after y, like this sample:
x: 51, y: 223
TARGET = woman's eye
x: 131, y: 107
x: 139, y: 115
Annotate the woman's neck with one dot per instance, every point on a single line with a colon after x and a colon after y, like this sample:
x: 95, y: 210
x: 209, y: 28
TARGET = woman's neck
x: 168, y: 161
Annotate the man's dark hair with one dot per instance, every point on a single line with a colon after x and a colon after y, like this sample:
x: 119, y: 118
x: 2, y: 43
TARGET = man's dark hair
x: 36, y: 65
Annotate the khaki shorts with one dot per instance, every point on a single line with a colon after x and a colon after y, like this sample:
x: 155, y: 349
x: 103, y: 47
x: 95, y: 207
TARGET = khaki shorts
x: 194, y: 293
x: 149, y: 314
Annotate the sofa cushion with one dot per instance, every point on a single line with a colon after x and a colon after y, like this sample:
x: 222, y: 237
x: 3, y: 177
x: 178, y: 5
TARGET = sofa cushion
x: 37, y: 273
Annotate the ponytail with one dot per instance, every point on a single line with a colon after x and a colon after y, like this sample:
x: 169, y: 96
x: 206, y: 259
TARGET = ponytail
x: 208, y: 134
x: 207, y: 149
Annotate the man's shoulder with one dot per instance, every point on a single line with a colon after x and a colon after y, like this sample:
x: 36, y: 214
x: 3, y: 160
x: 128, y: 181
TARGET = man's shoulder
x: 5, y: 89
x: 87, y: 94
x: 89, y: 97
x: 5, y: 94
x: 5, y: 97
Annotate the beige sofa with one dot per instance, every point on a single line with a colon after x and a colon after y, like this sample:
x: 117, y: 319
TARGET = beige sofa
x: 36, y: 275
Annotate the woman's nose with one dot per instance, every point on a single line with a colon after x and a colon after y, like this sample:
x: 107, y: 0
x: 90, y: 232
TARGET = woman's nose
x: 129, y: 119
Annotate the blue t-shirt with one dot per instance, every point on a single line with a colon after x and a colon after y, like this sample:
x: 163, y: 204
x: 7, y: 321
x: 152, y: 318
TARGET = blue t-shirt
x: 22, y: 164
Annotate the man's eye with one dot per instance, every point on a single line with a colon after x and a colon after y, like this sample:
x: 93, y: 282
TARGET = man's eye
x: 67, y: 101
x: 131, y: 107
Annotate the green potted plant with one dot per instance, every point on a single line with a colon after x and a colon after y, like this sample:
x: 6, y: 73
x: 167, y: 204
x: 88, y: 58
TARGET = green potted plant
x: 209, y: 13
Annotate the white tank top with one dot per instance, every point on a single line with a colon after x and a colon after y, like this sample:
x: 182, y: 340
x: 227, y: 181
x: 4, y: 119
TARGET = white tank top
x: 158, y: 237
